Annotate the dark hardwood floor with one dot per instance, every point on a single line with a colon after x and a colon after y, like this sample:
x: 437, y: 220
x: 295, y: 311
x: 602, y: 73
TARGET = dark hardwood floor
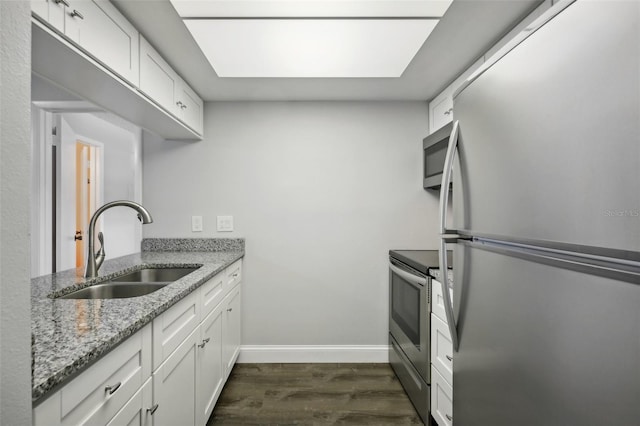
x: 313, y: 394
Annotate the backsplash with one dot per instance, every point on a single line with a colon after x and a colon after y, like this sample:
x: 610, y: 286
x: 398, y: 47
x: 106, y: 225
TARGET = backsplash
x: 192, y: 244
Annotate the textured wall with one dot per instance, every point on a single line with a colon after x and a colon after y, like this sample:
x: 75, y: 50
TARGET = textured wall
x: 15, y: 152
x: 320, y: 190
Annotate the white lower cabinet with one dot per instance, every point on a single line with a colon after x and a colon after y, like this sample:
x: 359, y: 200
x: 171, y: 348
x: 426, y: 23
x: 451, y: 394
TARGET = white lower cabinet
x: 231, y: 329
x: 441, y: 399
x: 191, y: 361
x: 174, y: 385
x: 136, y: 412
x: 210, y: 375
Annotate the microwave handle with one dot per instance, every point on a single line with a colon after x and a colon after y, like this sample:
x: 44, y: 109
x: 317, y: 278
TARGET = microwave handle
x: 447, y: 235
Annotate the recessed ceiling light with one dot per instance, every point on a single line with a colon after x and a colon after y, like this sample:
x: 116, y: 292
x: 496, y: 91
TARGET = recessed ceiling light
x: 321, y: 48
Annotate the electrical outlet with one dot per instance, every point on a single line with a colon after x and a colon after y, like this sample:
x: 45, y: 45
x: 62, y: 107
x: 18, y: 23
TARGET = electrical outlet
x: 196, y: 223
x: 225, y: 223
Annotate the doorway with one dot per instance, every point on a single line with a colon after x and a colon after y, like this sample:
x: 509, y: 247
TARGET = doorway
x: 86, y: 190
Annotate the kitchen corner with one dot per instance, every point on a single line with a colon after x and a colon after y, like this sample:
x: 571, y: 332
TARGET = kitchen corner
x: 70, y: 335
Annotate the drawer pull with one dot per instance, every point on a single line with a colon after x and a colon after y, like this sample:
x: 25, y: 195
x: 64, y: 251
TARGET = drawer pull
x: 235, y: 275
x: 152, y: 409
x: 204, y: 342
x: 112, y: 388
x: 449, y: 357
x: 64, y: 2
x: 448, y: 417
x: 230, y: 309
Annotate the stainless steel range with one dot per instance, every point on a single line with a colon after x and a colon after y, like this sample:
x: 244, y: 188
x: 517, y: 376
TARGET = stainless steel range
x: 409, y: 323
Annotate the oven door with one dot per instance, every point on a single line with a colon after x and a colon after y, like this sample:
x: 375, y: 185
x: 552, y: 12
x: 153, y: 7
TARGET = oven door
x: 409, y: 307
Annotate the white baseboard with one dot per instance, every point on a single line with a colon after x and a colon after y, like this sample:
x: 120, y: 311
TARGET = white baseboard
x: 313, y: 353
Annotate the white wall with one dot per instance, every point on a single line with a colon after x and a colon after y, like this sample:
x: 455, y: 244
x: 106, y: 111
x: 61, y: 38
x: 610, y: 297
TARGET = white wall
x: 320, y: 190
x: 15, y: 345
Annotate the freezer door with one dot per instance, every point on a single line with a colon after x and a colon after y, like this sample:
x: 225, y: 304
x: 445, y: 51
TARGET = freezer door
x: 543, y: 345
x: 549, y: 144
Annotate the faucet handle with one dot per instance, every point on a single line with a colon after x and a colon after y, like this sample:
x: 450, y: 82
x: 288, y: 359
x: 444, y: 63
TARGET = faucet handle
x: 100, y: 255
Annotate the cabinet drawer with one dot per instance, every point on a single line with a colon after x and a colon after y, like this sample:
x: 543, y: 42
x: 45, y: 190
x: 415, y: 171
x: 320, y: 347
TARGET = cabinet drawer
x: 97, y: 394
x: 135, y: 413
x: 234, y: 274
x: 211, y: 293
x: 441, y: 399
x: 441, y: 348
x: 437, y: 300
x: 173, y: 326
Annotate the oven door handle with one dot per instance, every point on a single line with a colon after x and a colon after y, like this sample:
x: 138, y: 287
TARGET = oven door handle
x: 413, y: 279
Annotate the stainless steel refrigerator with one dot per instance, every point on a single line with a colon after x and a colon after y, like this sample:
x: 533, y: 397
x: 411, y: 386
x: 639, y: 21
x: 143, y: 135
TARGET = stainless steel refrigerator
x: 545, y: 160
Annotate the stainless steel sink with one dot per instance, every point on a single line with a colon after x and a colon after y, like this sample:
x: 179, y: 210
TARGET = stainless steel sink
x: 112, y: 290
x: 154, y: 275
x: 133, y: 284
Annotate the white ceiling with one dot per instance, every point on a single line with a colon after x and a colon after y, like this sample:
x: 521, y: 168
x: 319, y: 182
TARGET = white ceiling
x: 465, y: 32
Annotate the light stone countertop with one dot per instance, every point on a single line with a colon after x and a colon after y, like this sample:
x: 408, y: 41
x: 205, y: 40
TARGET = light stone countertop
x: 70, y: 334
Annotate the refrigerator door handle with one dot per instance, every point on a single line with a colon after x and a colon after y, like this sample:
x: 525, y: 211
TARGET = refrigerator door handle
x: 446, y: 177
x: 446, y: 295
x: 446, y: 234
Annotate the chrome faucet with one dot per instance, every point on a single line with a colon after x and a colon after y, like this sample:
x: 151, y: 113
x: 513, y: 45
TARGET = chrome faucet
x: 94, y: 261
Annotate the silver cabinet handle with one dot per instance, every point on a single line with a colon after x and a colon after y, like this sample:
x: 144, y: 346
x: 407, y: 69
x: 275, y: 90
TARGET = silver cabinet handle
x: 112, y: 388
x: 449, y: 357
x: 204, y: 342
x: 76, y: 13
x: 152, y: 409
x: 448, y: 417
x: 448, y: 112
x: 235, y: 275
x: 179, y: 103
x: 230, y: 309
x: 64, y: 2
x: 184, y: 106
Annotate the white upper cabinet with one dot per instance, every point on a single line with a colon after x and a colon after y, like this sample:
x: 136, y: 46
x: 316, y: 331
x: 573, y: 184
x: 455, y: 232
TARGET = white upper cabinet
x: 162, y: 84
x: 441, y: 107
x: 191, y: 107
x: 157, y: 79
x: 120, y: 71
x: 97, y: 27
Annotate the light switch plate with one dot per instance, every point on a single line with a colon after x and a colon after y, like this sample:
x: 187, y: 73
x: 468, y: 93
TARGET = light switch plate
x: 196, y: 223
x: 225, y: 223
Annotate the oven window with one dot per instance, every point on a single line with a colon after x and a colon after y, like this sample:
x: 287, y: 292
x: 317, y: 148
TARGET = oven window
x: 405, y: 308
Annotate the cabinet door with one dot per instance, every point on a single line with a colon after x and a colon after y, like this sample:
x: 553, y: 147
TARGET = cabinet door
x: 441, y: 348
x: 210, y: 377
x: 440, y: 111
x: 441, y: 399
x: 231, y: 329
x: 174, y: 385
x: 105, y: 34
x: 191, y: 107
x: 157, y: 79
x: 50, y: 11
x: 136, y: 411
x: 172, y: 326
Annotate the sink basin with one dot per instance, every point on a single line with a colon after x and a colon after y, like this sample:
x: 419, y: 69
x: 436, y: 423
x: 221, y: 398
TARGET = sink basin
x: 154, y: 275
x: 133, y: 284
x: 112, y: 290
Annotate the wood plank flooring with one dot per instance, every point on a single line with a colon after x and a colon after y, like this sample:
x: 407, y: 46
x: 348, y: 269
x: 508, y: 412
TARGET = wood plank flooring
x: 313, y: 394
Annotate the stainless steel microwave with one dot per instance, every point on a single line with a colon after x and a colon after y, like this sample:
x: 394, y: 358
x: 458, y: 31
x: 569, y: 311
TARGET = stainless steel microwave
x: 434, y: 149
